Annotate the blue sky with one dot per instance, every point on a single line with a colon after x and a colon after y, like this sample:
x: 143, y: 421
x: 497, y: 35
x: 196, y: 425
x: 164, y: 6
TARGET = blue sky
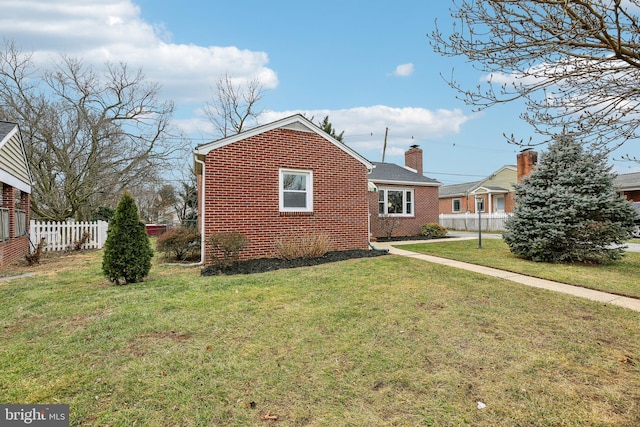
x: 367, y: 65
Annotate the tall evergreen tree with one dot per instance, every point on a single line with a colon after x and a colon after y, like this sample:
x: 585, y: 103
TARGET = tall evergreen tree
x: 127, y: 251
x: 568, y: 209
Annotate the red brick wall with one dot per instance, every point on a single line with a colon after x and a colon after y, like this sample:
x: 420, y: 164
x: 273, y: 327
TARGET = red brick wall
x: 13, y: 250
x: 633, y: 195
x: 17, y: 246
x: 446, y: 205
x: 242, y: 192
x: 467, y: 203
x: 425, y: 211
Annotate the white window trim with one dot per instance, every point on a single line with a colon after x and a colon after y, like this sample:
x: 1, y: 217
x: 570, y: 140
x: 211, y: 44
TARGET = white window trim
x: 453, y: 203
x: 309, y: 191
x: 404, y: 202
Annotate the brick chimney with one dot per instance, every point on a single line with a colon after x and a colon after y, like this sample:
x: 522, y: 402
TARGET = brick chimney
x: 527, y: 160
x: 413, y: 158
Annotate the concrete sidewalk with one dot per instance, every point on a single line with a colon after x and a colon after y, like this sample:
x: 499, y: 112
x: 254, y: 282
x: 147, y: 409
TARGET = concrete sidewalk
x: 603, y: 297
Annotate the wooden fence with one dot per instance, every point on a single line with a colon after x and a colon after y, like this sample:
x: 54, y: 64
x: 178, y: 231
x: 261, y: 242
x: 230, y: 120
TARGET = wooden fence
x: 469, y: 221
x: 62, y: 236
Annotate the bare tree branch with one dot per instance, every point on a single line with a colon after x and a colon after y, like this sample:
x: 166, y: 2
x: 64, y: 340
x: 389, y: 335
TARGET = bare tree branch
x: 233, y: 105
x: 575, y: 63
x: 88, y: 135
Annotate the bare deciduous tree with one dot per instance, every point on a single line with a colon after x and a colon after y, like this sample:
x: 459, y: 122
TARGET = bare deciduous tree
x: 88, y: 135
x: 233, y: 105
x: 575, y: 63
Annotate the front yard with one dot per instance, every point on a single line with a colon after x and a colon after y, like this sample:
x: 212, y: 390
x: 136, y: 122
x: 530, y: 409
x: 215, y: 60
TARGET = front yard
x: 620, y: 278
x: 379, y: 341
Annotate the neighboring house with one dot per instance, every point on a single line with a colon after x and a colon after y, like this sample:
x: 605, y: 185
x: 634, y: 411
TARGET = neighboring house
x: 15, y: 179
x: 629, y: 185
x: 494, y: 194
x: 404, y: 200
x: 278, y: 182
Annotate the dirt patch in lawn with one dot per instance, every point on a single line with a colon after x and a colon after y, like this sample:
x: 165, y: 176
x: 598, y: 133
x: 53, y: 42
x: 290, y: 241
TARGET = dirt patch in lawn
x: 50, y: 262
x: 262, y: 265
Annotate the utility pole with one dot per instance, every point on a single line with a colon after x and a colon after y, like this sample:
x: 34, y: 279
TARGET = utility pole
x: 384, y: 149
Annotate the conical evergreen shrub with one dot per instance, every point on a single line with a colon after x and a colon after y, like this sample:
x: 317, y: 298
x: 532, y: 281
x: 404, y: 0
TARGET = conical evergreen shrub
x: 127, y: 251
x: 567, y: 209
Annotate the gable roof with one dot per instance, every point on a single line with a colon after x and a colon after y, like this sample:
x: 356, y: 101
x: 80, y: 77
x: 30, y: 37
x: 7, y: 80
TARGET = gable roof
x: 628, y: 181
x: 484, y: 185
x: 390, y: 173
x: 458, y: 189
x: 296, y: 122
x: 14, y: 167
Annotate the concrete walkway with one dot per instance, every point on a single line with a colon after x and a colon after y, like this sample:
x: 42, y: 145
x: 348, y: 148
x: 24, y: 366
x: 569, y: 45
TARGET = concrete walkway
x: 603, y: 297
x: 20, y: 276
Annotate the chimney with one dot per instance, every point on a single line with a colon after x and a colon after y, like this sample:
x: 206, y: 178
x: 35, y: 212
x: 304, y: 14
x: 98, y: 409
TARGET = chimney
x: 413, y: 158
x: 527, y: 160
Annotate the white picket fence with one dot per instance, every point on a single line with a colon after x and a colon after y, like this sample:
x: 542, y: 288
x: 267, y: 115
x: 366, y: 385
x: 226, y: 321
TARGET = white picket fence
x: 469, y: 221
x: 62, y: 236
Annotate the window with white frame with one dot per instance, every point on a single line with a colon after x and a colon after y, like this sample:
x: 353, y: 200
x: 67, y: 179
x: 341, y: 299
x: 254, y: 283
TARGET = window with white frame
x: 456, y: 205
x: 395, y: 202
x: 296, y: 190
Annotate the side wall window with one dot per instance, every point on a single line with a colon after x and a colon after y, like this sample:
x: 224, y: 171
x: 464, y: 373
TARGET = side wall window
x: 296, y: 190
x: 456, y: 205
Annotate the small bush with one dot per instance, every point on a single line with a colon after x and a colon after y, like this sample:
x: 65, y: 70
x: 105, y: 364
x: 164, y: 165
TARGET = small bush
x: 226, y: 248
x: 179, y: 243
x: 389, y: 224
x: 77, y: 245
x: 434, y: 231
x: 307, y: 246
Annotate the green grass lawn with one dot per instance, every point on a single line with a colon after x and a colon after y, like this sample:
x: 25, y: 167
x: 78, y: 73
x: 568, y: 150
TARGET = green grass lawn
x: 621, y: 277
x: 384, y: 341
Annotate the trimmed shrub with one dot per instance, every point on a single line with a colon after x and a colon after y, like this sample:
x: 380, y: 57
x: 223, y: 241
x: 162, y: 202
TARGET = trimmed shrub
x: 434, y: 231
x: 307, y: 246
x: 226, y: 248
x: 179, y: 243
x: 127, y: 250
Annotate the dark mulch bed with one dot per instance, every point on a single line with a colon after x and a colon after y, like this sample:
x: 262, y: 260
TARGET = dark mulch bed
x: 261, y: 265
x: 403, y: 238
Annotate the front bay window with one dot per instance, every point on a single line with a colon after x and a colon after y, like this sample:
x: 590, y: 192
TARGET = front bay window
x: 395, y: 202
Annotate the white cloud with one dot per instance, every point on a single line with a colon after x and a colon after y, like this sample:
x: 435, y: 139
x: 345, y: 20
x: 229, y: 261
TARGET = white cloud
x: 113, y: 30
x: 364, y: 127
x: 404, y: 70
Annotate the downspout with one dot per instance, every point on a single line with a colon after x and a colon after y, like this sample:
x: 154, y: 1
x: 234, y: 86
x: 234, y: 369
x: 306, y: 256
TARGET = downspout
x: 202, y: 254
x: 369, y: 227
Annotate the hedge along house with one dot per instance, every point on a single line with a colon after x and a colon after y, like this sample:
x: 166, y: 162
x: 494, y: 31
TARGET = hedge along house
x: 404, y: 200
x: 281, y: 181
x: 15, y: 179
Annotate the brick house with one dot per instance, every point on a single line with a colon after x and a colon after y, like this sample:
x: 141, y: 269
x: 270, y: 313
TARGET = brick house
x: 629, y: 185
x: 279, y: 181
x: 494, y: 194
x: 405, y: 199
x: 15, y: 179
